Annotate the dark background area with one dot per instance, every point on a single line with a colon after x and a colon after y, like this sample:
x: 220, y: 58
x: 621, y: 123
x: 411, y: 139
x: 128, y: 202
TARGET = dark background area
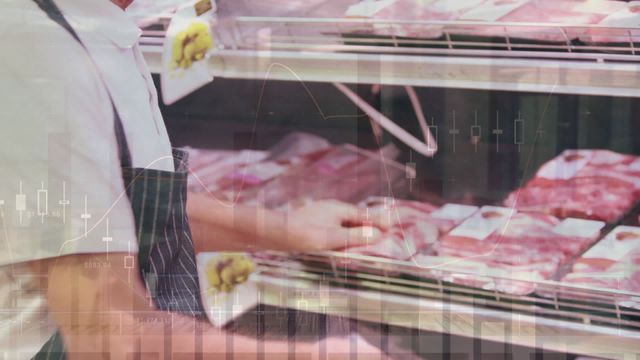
x: 240, y: 114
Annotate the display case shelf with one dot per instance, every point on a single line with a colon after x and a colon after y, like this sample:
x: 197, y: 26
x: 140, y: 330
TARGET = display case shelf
x: 330, y: 50
x: 594, y: 325
x: 337, y: 50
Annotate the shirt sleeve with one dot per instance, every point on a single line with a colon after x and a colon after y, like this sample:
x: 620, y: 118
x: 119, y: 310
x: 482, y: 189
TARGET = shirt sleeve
x: 61, y: 190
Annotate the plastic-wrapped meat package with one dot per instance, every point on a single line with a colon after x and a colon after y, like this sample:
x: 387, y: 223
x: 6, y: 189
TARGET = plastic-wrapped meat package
x: 294, y: 151
x: 472, y: 272
x: 522, y: 246
x: 344, y: 173
x: 260, y: 33
x: 570, y: 12
x: 243, y: 184
x: 490, y: 11
x: 282, y: 7
x: 229, y: 172
x: 624, y: 16
x: 445, y: 217
x: 199, y: 158
x: 401, y: 242
x: 297, y: 144
x: 416, y: 226
x: 613, y: 263
x: 209, y: 166
x: 592, y: 184
x: 552, y: 12
x: 419, y: 10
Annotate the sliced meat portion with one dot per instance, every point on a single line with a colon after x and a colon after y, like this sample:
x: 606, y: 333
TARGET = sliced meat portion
x: 401, y: 242
x: 392, y: 16
x: 344, y: 173
x: 517, y: 243
x: 416, y: 226
x: 613, y: 263
x: 619, y: 24
x: 591, y: 184
x: 207, y: 167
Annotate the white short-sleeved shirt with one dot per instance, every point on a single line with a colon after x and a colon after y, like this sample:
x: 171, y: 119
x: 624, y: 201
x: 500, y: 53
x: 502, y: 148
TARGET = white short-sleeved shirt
x: 60, y: 181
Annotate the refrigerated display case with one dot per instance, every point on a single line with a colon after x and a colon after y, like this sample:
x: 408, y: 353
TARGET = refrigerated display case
x: 475, y: 117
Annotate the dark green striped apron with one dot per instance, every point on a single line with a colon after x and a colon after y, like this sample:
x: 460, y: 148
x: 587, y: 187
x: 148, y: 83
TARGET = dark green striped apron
x: 158, y: 199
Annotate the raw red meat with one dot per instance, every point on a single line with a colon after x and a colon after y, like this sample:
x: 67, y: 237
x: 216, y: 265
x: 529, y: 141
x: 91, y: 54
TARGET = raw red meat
x: 613, y: 263
x: 592, y: 184
x: 517, y: 280
x: 344, y: 173
x: 242, y: 184
x: 229, y: 173
x: 618, y: 14
x: 401, y: 242
x: 552, y: 12
x: 529, y: 245
x: 394, y: 12
x: 207, y: 167
x: 398, y: 211
x: 416, y: 226
x: 563, y: 12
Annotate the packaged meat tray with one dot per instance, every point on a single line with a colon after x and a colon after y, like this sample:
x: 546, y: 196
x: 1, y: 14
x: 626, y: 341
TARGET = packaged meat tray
x: 242, y: 184
x: 592, y: 184
x: 518, y: 247
x: 416, y: 226
x: 613, y: 263
x: 207, y: 167
x: 618, y: 25
x: 228, y: 172
x: 345, y: 172
x: 569, y: 12
x: 388, y: 11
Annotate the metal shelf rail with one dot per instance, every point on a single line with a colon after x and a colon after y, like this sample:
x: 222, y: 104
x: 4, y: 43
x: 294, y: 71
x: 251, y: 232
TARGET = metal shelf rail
x: 352, y: 51
x: 567, y: 318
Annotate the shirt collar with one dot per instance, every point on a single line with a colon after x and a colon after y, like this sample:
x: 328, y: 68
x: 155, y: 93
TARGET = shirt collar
x: 103, y: 17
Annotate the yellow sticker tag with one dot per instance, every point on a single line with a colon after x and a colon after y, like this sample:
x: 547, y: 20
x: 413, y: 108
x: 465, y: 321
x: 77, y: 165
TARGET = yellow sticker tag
x: 228, y: 284
x: 202, y: 7
x: 191, y: 45
x: 227, y: 271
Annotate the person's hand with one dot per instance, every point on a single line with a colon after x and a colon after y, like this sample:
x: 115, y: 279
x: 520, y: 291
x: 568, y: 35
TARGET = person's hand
x: 331, y: 224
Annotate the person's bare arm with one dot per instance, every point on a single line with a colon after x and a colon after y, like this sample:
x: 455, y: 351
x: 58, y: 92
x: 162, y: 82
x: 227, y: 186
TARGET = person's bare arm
x: 102, y: 308
x: 315, y: 226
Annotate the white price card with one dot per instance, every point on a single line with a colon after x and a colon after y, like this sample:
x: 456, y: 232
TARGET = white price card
x: 618, y: 244
x: 187, y: 45
x: 483, y: 223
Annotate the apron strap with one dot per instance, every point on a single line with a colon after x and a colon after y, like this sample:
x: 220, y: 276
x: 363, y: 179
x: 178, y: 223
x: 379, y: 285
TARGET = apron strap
x: 54, y: 13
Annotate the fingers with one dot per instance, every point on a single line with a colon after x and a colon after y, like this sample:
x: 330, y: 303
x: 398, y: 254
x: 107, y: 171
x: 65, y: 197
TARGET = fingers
x: 356, y: 236
x: 353, y: 216
x: 331, y: 224
x: 381, y: 219
x: 364, y: 235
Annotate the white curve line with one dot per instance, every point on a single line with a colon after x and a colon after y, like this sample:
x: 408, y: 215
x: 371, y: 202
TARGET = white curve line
x: 108, y: 211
